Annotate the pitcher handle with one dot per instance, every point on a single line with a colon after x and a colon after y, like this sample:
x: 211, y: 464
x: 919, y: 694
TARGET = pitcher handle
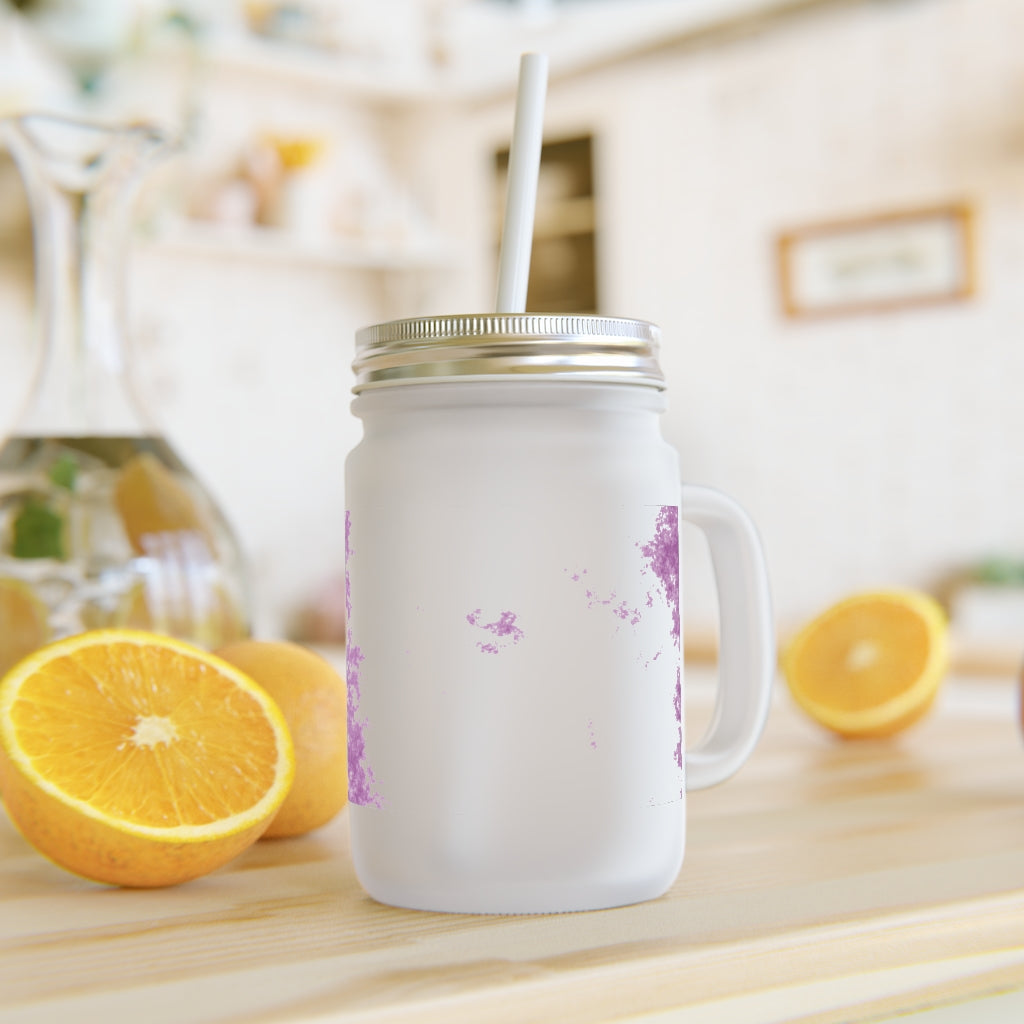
x: 746, y: 662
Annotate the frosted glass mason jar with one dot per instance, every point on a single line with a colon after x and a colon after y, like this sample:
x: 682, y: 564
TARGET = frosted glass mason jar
x: 514, y: 655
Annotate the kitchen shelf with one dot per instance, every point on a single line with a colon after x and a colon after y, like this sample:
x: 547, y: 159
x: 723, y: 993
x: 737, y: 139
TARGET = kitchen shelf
x: 272, y: 245
x: 306, y: 67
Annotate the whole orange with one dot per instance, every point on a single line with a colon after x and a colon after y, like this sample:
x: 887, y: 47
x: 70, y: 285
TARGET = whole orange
x: 312, y: 697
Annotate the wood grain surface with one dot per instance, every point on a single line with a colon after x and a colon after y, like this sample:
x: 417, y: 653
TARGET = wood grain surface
x: 828, y: 881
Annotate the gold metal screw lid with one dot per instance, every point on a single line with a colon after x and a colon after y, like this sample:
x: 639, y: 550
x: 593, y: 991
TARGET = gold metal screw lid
x: 489, y: 346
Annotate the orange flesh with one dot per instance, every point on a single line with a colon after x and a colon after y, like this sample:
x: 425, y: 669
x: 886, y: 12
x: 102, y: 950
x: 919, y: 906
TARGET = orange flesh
x: 147, y: 751
x: 836, y: 667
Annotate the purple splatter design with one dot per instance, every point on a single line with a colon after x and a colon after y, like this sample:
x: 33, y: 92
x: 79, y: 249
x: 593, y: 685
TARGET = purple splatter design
x: 661, y: 558
x: 621, y: 610
x: 662, y: 554
x: 590, y: 733
x: 361, y: 783
x: 504, y: 630
x: 678, y: 702
x: 592, y: 597
x: 624, y: 612
x: 648, y: 662
x: 348, y: 553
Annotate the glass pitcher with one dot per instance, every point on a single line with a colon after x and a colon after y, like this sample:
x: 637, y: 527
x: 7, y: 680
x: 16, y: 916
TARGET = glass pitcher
x: 101, y: 522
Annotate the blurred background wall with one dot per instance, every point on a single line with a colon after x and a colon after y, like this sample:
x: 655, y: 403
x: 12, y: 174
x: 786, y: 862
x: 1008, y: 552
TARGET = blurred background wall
x: 343, y: 165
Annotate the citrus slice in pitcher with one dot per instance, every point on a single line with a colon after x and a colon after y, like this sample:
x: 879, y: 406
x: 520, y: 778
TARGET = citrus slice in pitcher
x: 24, y: 622
x: 152, y: 500
x: 871, y: 664
x: 139, y: 760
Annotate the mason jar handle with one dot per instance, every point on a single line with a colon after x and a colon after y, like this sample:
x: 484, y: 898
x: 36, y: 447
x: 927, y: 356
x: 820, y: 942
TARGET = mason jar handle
x: 746, y: 660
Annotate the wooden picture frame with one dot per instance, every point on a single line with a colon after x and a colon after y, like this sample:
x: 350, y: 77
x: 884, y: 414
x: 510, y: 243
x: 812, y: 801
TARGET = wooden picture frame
x: 878, y: 263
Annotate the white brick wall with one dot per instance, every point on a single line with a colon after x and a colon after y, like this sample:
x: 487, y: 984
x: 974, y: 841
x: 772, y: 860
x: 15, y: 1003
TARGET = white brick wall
x: 872, y: 450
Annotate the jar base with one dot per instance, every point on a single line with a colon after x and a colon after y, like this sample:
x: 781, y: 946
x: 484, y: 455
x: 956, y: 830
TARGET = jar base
x: 518, y: 898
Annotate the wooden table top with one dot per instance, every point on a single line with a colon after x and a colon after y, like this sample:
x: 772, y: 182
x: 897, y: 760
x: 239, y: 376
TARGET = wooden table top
x: 827, y: 881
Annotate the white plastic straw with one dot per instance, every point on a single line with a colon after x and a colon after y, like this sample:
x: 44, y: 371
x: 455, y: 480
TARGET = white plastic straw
x: 521, y: 198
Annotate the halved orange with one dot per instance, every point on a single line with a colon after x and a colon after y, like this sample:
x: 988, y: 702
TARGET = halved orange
x: 137, y: 759
x: 871, y: 664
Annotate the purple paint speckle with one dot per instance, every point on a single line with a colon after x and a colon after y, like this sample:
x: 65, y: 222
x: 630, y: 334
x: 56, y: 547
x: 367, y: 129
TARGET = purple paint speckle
x: 361, y: 783
x: 594, y: 600
x: 678, y: 703
x: 348, y: 552
x: 590, y: 734
x: 661, y: 558
x: 662, y: 554
x: 624, y: 612
x: 503, y: 629
x: 360, y: 775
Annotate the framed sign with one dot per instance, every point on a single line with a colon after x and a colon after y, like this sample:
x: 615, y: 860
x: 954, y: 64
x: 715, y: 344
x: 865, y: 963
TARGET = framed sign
x: 872, y: 264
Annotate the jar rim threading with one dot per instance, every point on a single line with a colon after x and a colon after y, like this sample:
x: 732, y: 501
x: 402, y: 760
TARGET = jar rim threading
x: 561, y: 346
